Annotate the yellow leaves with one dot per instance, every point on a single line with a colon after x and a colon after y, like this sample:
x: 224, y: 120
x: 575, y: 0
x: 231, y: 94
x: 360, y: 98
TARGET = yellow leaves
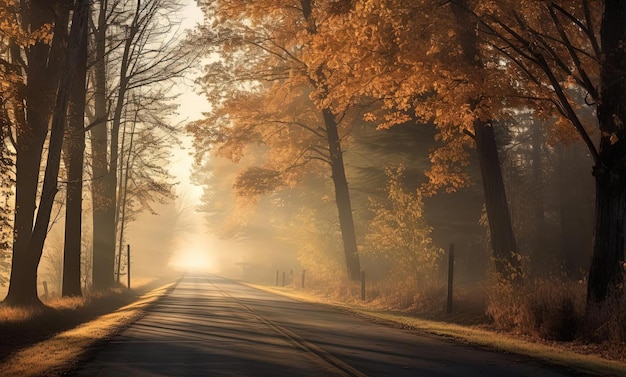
x: 399, y: 232
x: 256, y: 181
x: 562, y: 132
x: 369, y: 117
x: 12, y: 29
x: 449, y: 162
x: 43, y: 34
x: 394, y: 118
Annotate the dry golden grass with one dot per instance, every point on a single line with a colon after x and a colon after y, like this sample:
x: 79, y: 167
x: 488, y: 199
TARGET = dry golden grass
x: 16, y: 315
x: 68, y: 303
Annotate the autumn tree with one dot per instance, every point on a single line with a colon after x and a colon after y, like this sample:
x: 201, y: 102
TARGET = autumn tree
x: 261, y: 88
x: 103, y: 233
x: 37, y: 63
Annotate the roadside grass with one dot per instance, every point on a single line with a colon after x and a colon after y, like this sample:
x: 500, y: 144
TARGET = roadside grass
x: 16, y: 315
x: 51, y: 340
x: 566, y: 354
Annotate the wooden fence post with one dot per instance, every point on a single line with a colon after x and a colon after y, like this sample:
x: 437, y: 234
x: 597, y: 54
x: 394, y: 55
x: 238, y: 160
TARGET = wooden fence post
x: 450, y: 278
x: 128, y: 264
x: 283, y: 278
x: 362, y: 285
x: 303, y: 275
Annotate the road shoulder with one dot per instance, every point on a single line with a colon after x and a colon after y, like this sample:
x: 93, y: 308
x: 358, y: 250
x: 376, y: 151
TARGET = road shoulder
x: 62, y: 352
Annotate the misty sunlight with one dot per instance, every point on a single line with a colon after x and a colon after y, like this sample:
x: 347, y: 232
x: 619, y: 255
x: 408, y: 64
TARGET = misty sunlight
x: 192, y: 260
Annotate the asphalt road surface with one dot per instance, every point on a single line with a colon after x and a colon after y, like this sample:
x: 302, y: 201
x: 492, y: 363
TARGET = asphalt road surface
x: 211, y: 326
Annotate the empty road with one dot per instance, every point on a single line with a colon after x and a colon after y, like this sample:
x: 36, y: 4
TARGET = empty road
x: 211, y: 326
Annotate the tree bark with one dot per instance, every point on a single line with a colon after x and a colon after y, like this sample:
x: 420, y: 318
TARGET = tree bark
x: 605, y: 273
x: 103, y: 214
x: 576, y: 211
x: 538, y: 211
x: 500, y: 228
x: 342, y: 196
x: 74, y: 153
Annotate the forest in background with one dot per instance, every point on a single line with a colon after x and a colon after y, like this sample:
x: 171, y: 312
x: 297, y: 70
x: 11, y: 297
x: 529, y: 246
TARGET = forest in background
x: 369, y: 135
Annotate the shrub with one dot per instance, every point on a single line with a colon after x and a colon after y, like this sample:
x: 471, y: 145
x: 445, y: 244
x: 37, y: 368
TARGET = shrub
x: 607, y: 322
x: 404, y: 295
x: 399, y: 235
x: 548, y: 308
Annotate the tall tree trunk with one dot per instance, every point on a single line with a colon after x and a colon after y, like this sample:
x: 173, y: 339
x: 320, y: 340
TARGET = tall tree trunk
x: 342, y: 194
x: 538, y: 217
x: 342, y: 197
x: 123, y: 189
x: 103, y: 209
x: 500, y: 226
x: 104, y: 267
x: 575, y: 209
x: 74, y: 152
x: 24, y: 277
x: 605, y: 273
x: 42, y: 77
x: 566, y: 209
